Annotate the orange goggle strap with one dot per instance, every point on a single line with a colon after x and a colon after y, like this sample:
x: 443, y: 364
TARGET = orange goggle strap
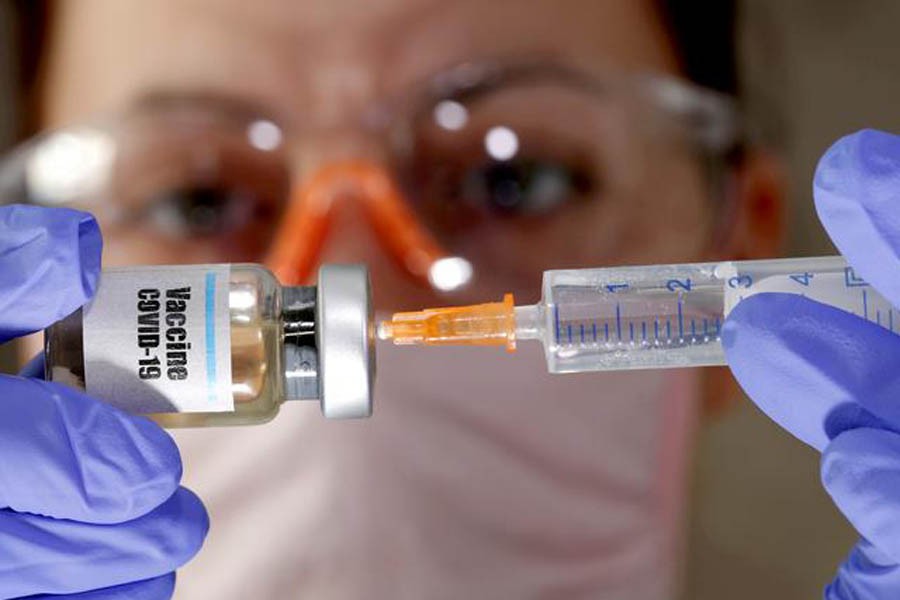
x: 302, y: 232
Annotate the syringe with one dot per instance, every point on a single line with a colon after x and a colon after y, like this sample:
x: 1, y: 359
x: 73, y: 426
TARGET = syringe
x: 640, y: 317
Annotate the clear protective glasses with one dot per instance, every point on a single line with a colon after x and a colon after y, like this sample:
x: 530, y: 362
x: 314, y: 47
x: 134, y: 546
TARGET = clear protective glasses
x: 488, y: 174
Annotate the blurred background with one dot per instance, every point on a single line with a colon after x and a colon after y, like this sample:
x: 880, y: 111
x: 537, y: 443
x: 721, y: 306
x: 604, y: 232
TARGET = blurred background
x: 815, y: 70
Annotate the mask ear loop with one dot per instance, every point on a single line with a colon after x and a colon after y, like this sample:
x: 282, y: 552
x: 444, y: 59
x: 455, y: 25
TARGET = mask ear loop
x: 305, y: 226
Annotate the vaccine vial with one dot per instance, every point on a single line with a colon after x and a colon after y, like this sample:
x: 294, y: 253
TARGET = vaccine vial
x: 204, y: 345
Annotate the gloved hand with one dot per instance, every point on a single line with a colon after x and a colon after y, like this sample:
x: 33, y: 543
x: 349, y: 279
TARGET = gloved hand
x: 89, y: 496
x: 832, y: 378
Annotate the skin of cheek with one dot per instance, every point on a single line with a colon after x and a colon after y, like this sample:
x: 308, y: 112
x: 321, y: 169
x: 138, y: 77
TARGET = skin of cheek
x: 669, y: 220
x: 135, y: 248
x: 666, y: 217
x: 29, y: 346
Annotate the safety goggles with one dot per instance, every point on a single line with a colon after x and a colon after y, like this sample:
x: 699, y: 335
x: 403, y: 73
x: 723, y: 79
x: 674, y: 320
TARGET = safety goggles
x: 490, y: 173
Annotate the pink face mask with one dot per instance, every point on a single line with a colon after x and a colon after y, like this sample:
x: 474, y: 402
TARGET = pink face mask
x: 480, y: 476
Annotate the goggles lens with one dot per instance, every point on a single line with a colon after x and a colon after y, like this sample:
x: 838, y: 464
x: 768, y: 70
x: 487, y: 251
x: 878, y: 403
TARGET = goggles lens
x: 493, y: 179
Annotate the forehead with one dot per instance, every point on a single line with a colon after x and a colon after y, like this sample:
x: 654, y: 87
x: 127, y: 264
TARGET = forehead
x: 304, y: 58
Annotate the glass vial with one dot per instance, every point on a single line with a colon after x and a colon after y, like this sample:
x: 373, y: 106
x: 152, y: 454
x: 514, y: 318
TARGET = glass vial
x: 203, y: 345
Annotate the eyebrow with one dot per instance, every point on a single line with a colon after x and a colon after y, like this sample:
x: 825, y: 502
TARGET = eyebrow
x: 472, y: 78
x: 460, y: 81
x: 457, y: 81
x: 227, y: 103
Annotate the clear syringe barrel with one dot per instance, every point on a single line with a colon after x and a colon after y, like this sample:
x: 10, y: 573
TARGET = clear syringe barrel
x: 672, y: 315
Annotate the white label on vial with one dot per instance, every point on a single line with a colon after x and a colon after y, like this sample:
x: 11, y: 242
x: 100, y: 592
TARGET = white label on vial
x: 158, y: 339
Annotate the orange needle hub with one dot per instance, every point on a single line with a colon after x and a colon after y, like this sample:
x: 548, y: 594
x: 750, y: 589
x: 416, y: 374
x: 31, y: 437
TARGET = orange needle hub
x: 491, y: 324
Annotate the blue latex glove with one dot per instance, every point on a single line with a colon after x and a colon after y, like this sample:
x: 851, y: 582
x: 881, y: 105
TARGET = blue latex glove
x: 832, y: 378
x: 89, y: 496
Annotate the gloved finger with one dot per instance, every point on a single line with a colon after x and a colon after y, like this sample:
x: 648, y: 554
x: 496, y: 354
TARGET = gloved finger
x: 808, y: 365
x: 34, y: 368
x: 861, y: 471
x: 49, y: 266
x: 857, y: 192
x: 158, y: 588
x: 866, y: 575
x: 65, y: 455
x: 40, y: 555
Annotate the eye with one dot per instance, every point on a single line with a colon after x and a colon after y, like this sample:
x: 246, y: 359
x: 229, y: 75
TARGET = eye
x: 207, y: 210
x: 458, y: 189
x: 196, y: 175
x: 524, y: 187
x: 511, y: 154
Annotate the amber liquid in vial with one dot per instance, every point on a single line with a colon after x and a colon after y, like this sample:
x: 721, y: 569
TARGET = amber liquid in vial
x: 257, y: 381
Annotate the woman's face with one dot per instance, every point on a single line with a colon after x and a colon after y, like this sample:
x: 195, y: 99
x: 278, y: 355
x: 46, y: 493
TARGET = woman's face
x: 584, y: 180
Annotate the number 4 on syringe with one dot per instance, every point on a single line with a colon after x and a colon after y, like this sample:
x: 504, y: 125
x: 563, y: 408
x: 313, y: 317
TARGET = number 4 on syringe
x: 802, y: 278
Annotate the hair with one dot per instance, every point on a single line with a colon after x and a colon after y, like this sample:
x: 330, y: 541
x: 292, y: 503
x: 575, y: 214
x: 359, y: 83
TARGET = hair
x: 704, y: 35
x: 30, y: 19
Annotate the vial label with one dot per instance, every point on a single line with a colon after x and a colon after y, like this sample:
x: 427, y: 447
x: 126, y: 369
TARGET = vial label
x: 157, y: 339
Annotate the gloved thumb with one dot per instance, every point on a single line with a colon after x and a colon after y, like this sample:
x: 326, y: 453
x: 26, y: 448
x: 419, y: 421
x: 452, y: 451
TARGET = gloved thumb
x: 49, y: 266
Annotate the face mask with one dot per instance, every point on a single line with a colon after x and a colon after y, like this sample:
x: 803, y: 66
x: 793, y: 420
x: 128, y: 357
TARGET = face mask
x: 480, y: 475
